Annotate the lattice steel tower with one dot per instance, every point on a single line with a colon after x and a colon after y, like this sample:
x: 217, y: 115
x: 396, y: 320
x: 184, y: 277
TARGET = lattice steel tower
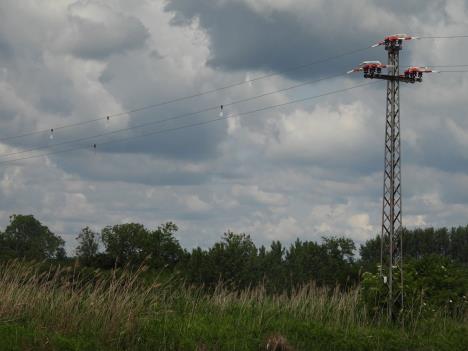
x: 391, y: 253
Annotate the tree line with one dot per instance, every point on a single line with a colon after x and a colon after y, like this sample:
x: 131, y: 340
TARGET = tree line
x: 235, y: 260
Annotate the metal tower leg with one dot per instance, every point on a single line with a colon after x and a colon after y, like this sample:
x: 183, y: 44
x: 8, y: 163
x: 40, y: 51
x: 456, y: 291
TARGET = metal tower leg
x: 391, y: 237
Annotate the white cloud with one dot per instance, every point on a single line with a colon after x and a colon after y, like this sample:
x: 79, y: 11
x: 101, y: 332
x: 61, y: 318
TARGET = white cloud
x: 258, y: 195
x: 95, y: 31
x: 325, y: 133
x: 307, y: 170
x: 195, y: 204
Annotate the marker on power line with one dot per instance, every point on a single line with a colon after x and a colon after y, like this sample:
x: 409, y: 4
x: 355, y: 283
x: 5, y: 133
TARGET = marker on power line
x: 221, y: 112
x: 195, y: 95
x: 196, y: 124
x: 184, y: 115
x: 51, y: 136
x: 248, y: 80
x: 365, y: 66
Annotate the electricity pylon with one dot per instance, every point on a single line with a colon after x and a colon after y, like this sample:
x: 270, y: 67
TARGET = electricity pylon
x: 391, y: 236
x: 391, y: 251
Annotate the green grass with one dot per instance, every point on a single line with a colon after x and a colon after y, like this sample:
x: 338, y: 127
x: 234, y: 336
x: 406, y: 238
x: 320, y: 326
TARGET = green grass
x: 55, y: 310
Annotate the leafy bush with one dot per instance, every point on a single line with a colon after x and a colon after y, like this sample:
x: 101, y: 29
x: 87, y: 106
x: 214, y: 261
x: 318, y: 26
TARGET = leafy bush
x: 431, y: 284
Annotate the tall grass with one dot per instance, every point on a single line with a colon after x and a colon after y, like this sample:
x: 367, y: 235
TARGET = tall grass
x: 121, y: 311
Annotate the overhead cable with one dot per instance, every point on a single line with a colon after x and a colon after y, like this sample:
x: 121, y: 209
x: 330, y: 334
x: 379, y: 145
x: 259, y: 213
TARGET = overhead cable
x: 144, y: 125
x: 242, y: 114
x: 187, y: 97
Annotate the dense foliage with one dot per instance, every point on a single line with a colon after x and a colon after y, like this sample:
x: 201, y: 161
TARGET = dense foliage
x: 26, y: 237
x: 48, y: 307
x: 131, y: 287
x: 419, y: 243
x: 436, y: 260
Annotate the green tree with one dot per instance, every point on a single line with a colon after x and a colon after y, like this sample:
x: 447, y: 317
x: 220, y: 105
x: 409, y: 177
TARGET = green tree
x: 234, y: 260
x: 419, y: 243
x: 305, y: 262
x: 370, y: 254
x: 459, y: 244
x: 340, y: 248
x: 273, y: 267
x: 133, y: 244
x: 199, y: 268
x: 26, y: 237
x: 162, y: 247
x: 125, y: 243
x: 88, y: 245
x: 339, y: 264
x: 329, y: 263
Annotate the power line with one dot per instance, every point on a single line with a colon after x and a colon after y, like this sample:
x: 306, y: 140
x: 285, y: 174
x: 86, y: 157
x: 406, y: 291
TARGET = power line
x: 212, y: 108
x: 206, y: 92
x: 167, y: 102
x: 454, y: 66
x: 444, y: 37
x: 193, y: 124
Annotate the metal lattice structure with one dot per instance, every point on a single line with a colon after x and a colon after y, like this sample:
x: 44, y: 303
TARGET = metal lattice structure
x: 391, y: 253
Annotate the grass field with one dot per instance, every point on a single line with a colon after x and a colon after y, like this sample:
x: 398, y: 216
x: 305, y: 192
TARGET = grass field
x: 59, y: 310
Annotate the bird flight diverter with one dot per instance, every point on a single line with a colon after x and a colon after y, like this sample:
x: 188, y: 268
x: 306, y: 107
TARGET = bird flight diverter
x: 221, y: 112
x: 51, y: 136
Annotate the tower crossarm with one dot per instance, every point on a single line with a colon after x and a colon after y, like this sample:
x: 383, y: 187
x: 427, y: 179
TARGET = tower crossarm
x: 403, y: 79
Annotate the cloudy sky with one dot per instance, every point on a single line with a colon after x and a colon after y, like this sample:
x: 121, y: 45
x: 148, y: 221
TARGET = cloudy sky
x: 303, y: 170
